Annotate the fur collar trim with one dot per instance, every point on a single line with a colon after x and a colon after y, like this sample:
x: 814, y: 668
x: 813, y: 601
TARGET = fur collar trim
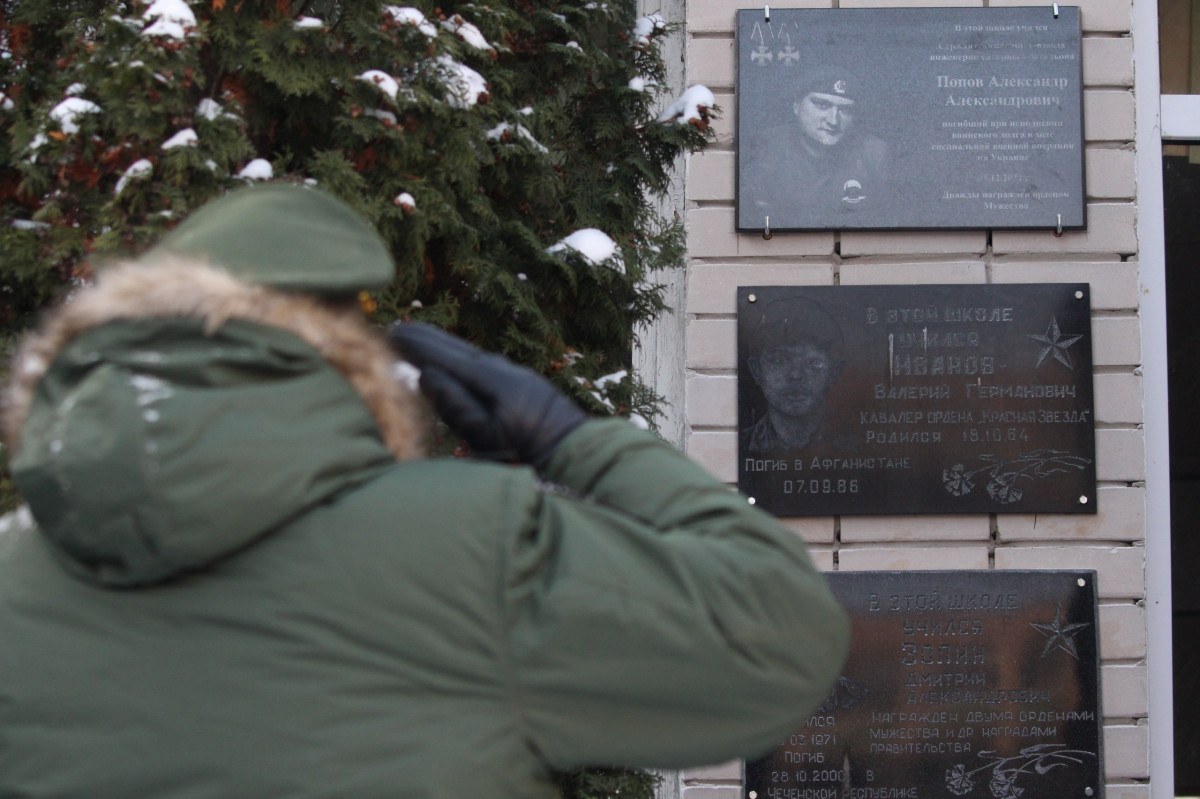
x: 173, y: 286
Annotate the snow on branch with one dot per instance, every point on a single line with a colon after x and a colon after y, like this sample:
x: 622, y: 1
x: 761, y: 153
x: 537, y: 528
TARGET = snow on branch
x: 692, y: 107
x: 593, y: 245
x: 464, y: 86
x: 504, y: 132
x: 468, y: 33
x: 403, y: 15
x: 68, y: 112
x: 386, y: 83
x: 184, y: 138
x: 171, y: 19
x: 646, y: 27
x: 137, y: 171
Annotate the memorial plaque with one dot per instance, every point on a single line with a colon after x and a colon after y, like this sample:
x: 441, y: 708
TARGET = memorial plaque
x: 916, y: 399
x: 910, y: 118
x: 959, y: 685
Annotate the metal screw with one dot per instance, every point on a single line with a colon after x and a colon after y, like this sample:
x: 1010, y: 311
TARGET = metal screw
x: 753, y: 298
x: 1079, y: 295
x: 750, y: 500
x: 1081, y: 582
x: 1083, y: 500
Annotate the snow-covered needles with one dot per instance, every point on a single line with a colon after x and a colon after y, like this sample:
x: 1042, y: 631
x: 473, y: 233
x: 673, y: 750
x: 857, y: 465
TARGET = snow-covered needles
x: 693, y: 107
x: 594, y: 246
x: 171, y: 19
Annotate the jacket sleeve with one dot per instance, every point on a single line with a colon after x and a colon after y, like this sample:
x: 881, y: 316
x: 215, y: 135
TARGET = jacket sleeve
x: 661, y: 620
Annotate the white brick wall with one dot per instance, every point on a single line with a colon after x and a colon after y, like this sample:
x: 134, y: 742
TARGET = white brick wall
x: 1103, y: 256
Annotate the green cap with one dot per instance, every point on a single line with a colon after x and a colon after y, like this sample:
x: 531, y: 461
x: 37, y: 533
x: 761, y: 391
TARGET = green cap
x: 286, y: 235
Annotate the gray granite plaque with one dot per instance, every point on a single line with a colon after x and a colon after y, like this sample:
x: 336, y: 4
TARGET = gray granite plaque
x: 910, y: 118
x: 959, y: 685
x: 916, y: 399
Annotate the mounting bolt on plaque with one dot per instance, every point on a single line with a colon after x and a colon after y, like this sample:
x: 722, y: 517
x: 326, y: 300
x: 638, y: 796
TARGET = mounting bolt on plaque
x: 767, y: 17
x: 750, y: 500
x: 1083, y: 500
x: 752, y: 298
x: 1056, y: 17
x: 767, y: 228
x: 1058, y: 230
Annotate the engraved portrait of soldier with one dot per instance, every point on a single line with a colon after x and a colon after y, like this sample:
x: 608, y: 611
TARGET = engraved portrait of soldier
x: 819, y: 167
x: 793, y: 354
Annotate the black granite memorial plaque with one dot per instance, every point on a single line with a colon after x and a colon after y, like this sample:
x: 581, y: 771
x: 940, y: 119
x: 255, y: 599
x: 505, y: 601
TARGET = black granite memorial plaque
x: 910, y: 118
x: 959, y: 685
x: 916, y: 399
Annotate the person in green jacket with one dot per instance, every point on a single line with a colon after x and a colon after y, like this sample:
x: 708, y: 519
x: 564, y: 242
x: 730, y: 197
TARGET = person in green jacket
x: 238, y: 575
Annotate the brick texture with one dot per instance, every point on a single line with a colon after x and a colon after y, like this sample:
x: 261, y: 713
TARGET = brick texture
x: 716, y: 452
x: 958, y: 271
x: 712, y: 344
x: 1107, y: 115
x: 814, y: 530
x: 711, y: 235
x: 1122, y: 631
x: 710, y: 176
x: 711, y: 792
x: 712, y: 61
x: 1120, y: 455
x: 914, y: 528
x: 1121, y: 516
x: 1103, y: 256
x: 1125, y: 694
x: 916, y: 557
x: 1107, y: 62
x: 712, y: 288
x: 1111, y: 229
x: 709, y: 16
x: 1118, y: 398
x: 1110, y: 173
x: 723, y: 771
x: 919, y: 242
x: 1114, y: 284
x: 1105, y: 16
x: 1116, y: 341
x: 1118, y: 568
x: 1127, y: 751
x: 909, y: 3
x: 712, y: 401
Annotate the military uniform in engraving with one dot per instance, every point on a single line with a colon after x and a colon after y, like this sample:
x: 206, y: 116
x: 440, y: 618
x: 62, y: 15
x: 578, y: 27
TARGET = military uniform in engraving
x: 820, y: 167
x: 794, y: 357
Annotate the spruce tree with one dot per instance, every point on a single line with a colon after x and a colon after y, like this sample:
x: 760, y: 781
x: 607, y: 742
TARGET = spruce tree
x: 508, y: 150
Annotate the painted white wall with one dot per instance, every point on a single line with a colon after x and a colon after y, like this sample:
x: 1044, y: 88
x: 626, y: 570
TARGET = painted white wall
x: 1150, y: 131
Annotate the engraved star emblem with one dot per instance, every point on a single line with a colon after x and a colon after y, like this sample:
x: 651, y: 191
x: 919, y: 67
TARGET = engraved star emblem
x: 1058, y: 636
x: 1056, y: 344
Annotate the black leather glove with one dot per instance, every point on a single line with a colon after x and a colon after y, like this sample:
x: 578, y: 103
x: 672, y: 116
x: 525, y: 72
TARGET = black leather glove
x: 503, y: 411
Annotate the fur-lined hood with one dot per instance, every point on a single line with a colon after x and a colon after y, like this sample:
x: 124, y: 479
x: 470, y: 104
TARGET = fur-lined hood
x: 171, y: 414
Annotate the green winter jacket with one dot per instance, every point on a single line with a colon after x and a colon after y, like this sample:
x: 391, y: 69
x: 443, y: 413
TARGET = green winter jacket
x: 225, y: 585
